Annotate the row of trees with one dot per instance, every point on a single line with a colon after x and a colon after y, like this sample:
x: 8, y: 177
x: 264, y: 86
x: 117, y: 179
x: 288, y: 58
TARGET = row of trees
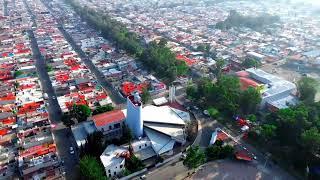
x: 155, y: 56
x: 196, y: 157
x: 160, y: 59
x: 225, y: 95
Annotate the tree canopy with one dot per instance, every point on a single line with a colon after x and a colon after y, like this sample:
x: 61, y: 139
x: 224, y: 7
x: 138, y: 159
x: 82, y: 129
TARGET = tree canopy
x: 249, y: 63
x: 292, y: 131
x: 250, y: 99
x: 307, y: 88
x: 217, y: 151
x: 134, y: 164
x: 225, y: 95
x: 80, y: 112
x: 195, y: 157
x: 254, y: 22
x: 94, y: 145
x: 91, y: 169
x: 102, y: 109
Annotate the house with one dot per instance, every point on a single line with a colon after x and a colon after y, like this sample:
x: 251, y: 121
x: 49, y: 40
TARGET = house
x: 109, y: 123
x: 113, y: 159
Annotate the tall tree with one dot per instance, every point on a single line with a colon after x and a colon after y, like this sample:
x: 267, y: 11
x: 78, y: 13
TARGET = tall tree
x: 307, y: 88
x: 249, y: 101
x: 229, y: 93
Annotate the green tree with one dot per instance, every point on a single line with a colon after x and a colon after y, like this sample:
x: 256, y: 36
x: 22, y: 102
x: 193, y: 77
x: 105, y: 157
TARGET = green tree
x: 102, y: 109
x: 134, y: 164
x: 311, y: 140
x: 213, y: 112
x: 145, y: 96
x: 220, y: 63
x: 91, y: 169
x: 182, y: 68
x: 307, y: 88
x: 49, y: 68
x: 249, y: 63
x: 17, y: 73
x: 201, y: 48
x: 228, y: 93
x: 80, y: 112
x: 94, y: 145
x: 66, y: 120
x: 250, y: 99
x: 126, y: 134
x: 268, y: 131
x: 195, y: 157
x: 252, y: 117
x: 192, y: 92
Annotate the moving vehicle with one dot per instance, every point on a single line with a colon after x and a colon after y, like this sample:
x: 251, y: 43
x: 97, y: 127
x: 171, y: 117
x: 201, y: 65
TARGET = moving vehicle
x: 71, y: 150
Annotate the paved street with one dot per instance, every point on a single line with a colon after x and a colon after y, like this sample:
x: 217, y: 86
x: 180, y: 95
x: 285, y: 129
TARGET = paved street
x: 174, y: 170
x: 61, y: 134
x: 115, y: 96
x: 113, y: 93
x: 233, y: 170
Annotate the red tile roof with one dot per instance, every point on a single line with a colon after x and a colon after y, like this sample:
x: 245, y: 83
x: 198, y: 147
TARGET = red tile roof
x: 246, y: 83
x: 108, y: 118
x: 242, y: 155
x: 222, y: 136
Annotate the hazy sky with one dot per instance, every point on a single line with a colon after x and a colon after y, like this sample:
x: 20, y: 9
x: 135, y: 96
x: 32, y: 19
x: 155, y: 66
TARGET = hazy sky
x: 315, y: 2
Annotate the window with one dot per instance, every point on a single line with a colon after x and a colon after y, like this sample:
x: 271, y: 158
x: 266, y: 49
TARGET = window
x: 109, y: 175
x: 114, y: 173
x: 117, y: 125
x: 121, y: 166
x: 145, y: 145
x: 109, y: 171
x: 110, y: 127
x: 102, y: 130
x: 139, y: 147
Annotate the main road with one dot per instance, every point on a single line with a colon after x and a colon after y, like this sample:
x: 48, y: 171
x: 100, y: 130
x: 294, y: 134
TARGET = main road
x: 115, y: 96
x: 62, y: 135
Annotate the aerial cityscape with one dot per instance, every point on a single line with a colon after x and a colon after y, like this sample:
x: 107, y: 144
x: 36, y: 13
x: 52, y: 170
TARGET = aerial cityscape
x: 160, y: 89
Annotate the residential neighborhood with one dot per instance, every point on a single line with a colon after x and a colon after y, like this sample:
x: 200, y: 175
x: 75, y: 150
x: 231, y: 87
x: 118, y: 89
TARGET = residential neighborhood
x: 154, y: 89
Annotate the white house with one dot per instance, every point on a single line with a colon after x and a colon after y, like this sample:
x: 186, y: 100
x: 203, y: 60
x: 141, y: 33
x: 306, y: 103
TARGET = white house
x: 113, y: 159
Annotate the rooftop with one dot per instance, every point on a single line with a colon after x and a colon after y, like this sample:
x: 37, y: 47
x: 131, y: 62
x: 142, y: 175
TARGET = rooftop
x: 108, y: 118
x: 111, y: 155
x: 163, y: 114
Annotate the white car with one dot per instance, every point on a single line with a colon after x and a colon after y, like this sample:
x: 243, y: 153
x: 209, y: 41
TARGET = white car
x: 71, y: 150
